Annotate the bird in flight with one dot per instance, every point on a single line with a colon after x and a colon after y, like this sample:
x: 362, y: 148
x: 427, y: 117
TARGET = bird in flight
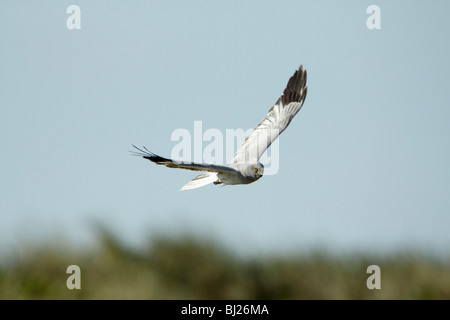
x: 245, y: 167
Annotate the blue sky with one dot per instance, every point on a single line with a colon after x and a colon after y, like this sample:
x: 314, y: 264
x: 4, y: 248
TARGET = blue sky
x: 363, y: 166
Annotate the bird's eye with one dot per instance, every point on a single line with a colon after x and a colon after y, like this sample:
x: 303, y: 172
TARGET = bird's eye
x: 256, y: 169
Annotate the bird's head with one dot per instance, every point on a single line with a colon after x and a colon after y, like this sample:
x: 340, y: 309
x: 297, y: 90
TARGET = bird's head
x: 256, y: 170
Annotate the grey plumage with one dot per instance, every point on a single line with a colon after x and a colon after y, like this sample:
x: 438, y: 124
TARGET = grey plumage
x: 245, y: 167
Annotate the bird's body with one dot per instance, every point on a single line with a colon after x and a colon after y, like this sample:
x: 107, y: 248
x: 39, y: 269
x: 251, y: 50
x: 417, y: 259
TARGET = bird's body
x: 245, y: 167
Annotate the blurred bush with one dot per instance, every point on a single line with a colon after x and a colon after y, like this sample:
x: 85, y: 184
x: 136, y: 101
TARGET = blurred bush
x: 189, y: 268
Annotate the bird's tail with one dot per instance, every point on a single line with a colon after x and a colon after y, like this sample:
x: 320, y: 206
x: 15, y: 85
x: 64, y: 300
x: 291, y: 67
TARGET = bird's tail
x: 200, y: 181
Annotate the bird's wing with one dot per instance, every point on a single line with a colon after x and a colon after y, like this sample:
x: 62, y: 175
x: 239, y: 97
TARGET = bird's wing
x: 146, y: 154
x: 276, y: 121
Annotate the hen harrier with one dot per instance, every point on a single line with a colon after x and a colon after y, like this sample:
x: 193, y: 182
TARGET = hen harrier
x: 245, y: 168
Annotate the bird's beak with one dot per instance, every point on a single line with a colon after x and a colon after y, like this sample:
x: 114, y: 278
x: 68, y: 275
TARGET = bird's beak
x: 260, y: 172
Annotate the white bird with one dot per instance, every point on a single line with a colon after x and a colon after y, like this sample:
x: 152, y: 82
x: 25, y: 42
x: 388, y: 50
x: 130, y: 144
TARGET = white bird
x: 245, y: 167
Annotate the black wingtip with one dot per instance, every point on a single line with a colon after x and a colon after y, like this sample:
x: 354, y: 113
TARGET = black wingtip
x: 147, y: 154
x: 143, y: 153
x: 296, y: 87
x: 140, y: 152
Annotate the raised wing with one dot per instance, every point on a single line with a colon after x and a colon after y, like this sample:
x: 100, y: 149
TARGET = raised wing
x: 146, y: 154
x: 276, y: 121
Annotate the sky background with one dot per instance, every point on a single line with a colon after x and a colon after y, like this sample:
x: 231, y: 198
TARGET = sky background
x: 363, y: 166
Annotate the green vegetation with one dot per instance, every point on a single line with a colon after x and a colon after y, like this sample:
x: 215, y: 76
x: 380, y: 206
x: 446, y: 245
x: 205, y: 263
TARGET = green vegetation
x: 186, y: 268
